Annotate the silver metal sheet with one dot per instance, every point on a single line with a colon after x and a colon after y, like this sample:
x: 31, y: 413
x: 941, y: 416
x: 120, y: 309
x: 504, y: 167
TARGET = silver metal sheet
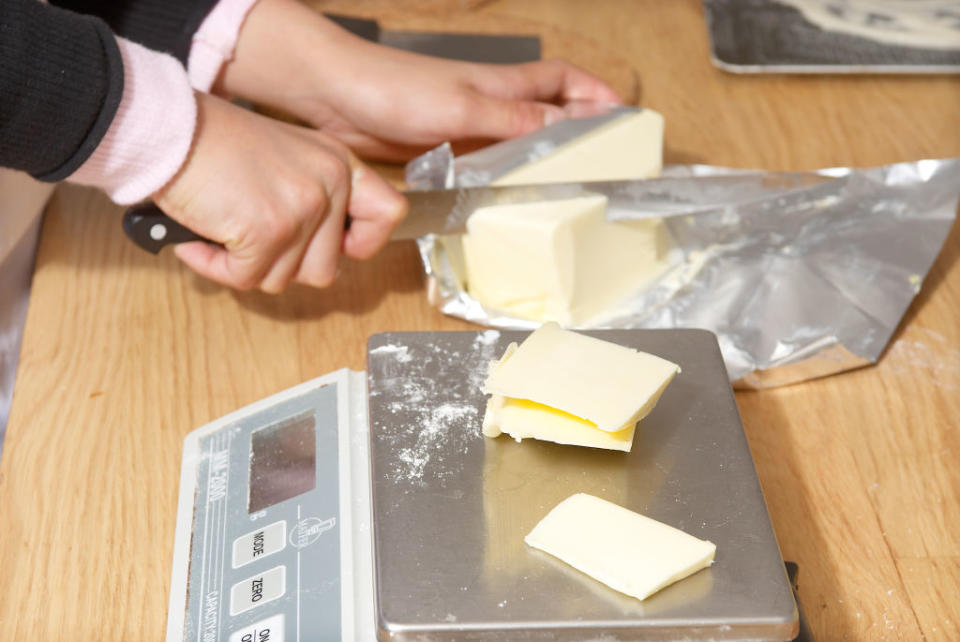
x: 489, y: 48
x: 451, y: 508
x: 764, y: 36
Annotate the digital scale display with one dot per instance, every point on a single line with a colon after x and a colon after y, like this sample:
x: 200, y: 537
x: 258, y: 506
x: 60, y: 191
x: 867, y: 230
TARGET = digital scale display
x: 267, y: 509
x: 283, y: 461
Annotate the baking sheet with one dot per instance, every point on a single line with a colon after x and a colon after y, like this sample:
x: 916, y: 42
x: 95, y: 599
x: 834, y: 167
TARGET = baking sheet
x: 765, y: 36
x: 451, y: 507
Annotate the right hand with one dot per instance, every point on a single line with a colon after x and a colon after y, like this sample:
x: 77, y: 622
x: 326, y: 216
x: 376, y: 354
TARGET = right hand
x: 276, y: 197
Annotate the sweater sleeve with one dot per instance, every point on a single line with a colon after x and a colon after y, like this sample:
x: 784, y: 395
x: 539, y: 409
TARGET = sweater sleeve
x: 215, y: 41
x: 150, y: 135
x: 161, y: 25
x: 61, y: 80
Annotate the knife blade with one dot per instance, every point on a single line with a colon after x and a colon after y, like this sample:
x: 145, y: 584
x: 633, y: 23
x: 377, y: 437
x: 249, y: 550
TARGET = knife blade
x: 446, y: 211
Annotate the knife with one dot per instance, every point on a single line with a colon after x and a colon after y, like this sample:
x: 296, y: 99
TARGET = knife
x: 431, y: 212
x: 446, y: 211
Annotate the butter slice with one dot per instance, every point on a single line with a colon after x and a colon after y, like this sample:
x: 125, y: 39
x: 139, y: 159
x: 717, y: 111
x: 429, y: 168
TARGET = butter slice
x: 626, y: 551
x: 627, y: 147
x: 608, y: 385
x: 560, y: 260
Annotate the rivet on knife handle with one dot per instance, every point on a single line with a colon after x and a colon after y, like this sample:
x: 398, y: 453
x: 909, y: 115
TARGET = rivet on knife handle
x: 151, y: 229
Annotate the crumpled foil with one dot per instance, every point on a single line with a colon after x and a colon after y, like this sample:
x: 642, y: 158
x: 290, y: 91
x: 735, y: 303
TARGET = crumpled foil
x: 800, y: 275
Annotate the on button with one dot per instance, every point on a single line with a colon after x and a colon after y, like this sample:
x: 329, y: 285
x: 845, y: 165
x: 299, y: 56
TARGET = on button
x: 268, y: 630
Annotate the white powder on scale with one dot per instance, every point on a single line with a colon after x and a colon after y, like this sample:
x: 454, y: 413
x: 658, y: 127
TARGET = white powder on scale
x: 431, y: 393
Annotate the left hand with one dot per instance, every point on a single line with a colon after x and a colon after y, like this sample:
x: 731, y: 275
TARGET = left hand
x: 390, y: 104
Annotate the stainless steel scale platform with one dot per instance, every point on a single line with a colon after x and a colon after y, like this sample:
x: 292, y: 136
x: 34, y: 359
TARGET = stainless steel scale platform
x: 451, y: 507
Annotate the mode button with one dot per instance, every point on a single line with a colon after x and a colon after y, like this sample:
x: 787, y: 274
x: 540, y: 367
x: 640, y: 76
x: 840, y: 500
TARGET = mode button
x: 259, y: 543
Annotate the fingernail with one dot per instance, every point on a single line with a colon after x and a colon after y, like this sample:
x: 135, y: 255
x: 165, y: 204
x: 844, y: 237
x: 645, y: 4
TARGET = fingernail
x: 585, y: 108
x: 358, y: 173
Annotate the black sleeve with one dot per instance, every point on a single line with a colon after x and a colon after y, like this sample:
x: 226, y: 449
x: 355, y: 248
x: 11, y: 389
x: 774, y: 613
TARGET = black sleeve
x: 161, y: 25
x: 61, y: 79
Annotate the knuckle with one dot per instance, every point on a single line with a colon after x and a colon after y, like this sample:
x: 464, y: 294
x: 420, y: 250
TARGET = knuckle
x: 279, y: 227
x: 397, y: 214
x: 273, y: 287
x: 246, y: 280
x: 309, y: 197
x: 337, y: 171
x: 365, y: 252
x: 322, y: 276
x: 558, y: 65
x: 322, y: 280
x: 462, y: 111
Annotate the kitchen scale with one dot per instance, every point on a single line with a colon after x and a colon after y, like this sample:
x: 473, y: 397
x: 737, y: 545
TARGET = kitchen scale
x: 361, y: 507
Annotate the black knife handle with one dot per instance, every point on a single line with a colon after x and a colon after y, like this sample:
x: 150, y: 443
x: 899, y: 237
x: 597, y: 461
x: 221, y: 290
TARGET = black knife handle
x: 152, y: 230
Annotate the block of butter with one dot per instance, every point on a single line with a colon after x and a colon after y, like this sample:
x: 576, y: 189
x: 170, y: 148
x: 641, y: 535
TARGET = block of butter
x: 560, y: 260
x: 627, y: 147
x: 626, y: 551
x: 569, y: 388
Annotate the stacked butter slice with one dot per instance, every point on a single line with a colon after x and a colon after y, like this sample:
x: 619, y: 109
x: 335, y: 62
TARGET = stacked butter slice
x: 569, y: 388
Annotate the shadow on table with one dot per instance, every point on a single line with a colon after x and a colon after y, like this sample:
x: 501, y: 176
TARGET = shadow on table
x: 792, y: 510
x: 360, y: 287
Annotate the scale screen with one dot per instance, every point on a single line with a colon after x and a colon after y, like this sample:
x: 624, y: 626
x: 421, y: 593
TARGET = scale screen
x: 283, y: 461
x: 269, y: 528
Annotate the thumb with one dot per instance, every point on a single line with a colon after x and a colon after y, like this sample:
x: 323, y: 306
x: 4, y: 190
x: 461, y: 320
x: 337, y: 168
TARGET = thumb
x: 500, y: 118
x: 375, y: 210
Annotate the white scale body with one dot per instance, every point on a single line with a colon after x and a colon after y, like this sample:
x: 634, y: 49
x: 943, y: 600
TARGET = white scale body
x: 273, y: 523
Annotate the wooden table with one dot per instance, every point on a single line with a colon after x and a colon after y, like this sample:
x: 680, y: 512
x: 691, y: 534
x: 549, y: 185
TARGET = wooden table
x: 124, y: 353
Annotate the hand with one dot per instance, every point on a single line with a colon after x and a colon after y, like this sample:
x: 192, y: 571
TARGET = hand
x: 275, y: 196
x: 391, y: 104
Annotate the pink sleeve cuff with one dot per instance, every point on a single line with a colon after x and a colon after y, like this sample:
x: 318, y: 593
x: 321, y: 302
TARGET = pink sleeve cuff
x: 215, y: 40
x: 151, y: 132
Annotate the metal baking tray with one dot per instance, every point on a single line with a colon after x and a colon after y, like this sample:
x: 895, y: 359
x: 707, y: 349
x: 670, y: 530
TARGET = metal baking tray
x: 451, y: 507
x: 763, y: 36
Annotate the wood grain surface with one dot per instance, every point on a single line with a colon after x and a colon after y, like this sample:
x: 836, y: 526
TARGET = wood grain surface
x: 124, y: 353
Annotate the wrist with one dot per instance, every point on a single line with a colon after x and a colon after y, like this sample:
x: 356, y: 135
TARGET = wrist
x: 214, y: 42
x: 300, y: 75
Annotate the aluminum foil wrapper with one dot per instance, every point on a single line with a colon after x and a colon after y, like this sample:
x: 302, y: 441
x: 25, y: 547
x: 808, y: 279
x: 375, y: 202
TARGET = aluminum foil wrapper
x: 800, y: 275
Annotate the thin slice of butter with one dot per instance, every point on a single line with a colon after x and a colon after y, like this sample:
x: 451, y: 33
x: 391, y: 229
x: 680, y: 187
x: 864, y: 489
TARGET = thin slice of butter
x: 627, y: 147
x: 626, y: 551
x: 608, y: 385
x: 560, y: 260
